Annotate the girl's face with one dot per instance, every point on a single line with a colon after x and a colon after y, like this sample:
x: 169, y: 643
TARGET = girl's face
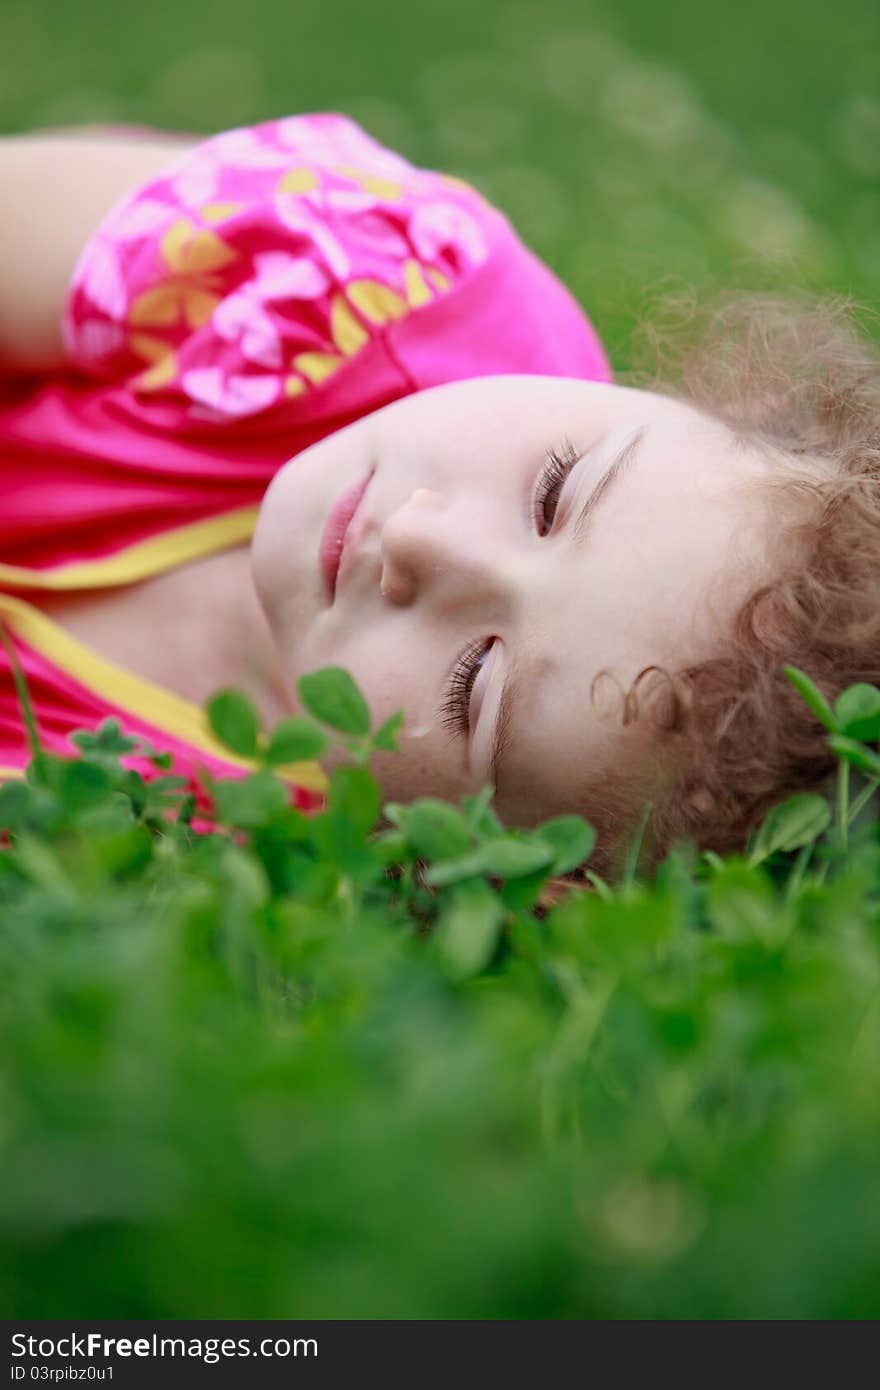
x: 471, y: 595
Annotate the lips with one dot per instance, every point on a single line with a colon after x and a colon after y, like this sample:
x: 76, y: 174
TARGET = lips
x: 338, y: 521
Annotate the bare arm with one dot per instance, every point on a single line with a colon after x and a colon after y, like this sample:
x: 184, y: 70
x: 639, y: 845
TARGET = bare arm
x: 54, y: 190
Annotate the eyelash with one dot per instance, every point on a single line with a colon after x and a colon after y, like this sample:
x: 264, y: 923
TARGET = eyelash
x: 454, y: 712
x: 557, y: 469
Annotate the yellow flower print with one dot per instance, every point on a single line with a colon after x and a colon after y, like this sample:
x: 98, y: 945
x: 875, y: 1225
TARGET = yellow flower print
x: 417, y: 290
x: 317, y: 366
x: 377, y: 302
x: 348, y: 337
x: 218, y: 212
x: 389, y: 189
x: 348, y: 334
x: 189, y: 250
x: 162, y: 356
x: 192, y: 253
x: 159, y: 307
x: 440, y: 281
x: 455, y: 182
x: 300, y: 180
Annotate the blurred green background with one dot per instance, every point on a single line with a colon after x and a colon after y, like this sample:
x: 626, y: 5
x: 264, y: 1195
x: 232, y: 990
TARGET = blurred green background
x: 634, y: 146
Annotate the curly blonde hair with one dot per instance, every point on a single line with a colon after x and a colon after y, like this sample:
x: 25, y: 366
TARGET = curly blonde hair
x: 796, y: 377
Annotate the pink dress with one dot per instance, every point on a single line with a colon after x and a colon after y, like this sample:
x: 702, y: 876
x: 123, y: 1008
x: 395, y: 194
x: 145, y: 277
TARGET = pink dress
x: 273, y: 284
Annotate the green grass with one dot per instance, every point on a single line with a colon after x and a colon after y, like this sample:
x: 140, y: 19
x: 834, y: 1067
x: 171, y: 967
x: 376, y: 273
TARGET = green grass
x: 307, y: 1066
x: 628, y: 143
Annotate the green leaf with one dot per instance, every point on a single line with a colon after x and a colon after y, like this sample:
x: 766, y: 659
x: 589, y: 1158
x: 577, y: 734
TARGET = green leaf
x: 856, y: 754
x: 742, y: 907
x: 509, y: 858
x: 113, y: 814
x: 21, y: 690
x: 481, y: 818
x: 40, y: 863
x: 502, y: 858
x: 45, y: 770
x: 165, y: 784
x: 571, y: 837
x: 146, y: 750
x: 468, y: 927
x: 250, y: 802
x: 792, y: 823
x: 604, y: 890
x: 340, y: 841
x: 108, y: 739
x: 437, y: 830
x: 858, y: 712
x: 14, y: 803
x: 456, y: 870
x: 386, y: 736
x: 127, y: 851
x: 391, y: 846
x: 813, y: 696
x: 397, y: 812
x: 234, y: 721
x: 83, y: 784
x: 162, y: 794
x: 521, y: 894
x: 135, y: 787
x: 354, y: 793
x: 332, y: 697
x: 294, y: 740
x: 244, y: 876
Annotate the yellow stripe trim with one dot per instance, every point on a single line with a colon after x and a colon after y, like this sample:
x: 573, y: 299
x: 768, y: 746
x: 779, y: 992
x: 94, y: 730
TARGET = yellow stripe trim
x: 152, y: 703
x: 12, y: 772
x: 147, y: 557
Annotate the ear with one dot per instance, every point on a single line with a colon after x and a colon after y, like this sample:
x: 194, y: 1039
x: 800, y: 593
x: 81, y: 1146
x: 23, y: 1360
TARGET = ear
x: 701, y: 802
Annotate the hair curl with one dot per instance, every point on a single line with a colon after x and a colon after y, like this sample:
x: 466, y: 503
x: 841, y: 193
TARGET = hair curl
x: 794, y: 376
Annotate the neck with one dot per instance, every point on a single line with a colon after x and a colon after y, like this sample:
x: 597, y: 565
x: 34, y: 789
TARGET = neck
x: 225, y: 640
x: 256, y: 669
x: 194, y: 630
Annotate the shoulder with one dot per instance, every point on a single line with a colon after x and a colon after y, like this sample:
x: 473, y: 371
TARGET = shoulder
x: 259, y: 261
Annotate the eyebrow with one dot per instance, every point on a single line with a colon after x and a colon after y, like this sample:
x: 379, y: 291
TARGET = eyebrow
x: 518, y: 675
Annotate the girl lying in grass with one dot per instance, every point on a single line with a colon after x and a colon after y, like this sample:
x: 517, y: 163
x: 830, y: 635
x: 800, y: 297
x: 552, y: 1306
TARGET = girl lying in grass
x: 222, y: 356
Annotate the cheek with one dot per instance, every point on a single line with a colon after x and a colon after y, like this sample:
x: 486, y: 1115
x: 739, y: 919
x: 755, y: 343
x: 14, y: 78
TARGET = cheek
x: 425, y: 763
x: 388, y: 680
x: 406, y: 774
x: 424, y: 766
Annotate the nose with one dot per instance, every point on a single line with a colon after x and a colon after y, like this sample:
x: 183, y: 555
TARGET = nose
x: 429, y: 547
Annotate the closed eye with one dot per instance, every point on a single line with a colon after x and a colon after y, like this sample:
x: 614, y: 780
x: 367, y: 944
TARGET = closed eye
x: 550, y: 483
